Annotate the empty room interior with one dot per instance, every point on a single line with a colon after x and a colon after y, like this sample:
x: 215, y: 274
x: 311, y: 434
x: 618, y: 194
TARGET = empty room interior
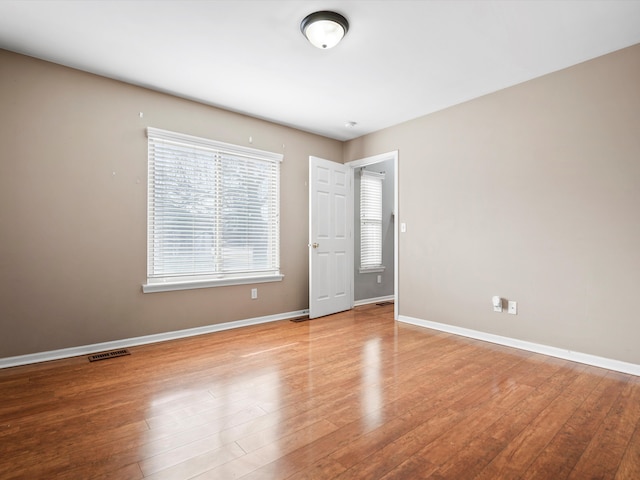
x: 320, y: 239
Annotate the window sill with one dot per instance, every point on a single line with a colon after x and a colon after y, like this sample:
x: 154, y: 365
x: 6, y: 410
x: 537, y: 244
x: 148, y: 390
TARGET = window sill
x: 172, y: 285
x: 372, y: 270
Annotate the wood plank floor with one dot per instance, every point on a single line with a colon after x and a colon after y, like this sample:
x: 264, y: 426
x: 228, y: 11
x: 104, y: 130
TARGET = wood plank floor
x: 350, y: 396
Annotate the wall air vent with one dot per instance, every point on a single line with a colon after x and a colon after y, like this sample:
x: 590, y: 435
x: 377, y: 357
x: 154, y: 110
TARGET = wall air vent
x: 112, y: 354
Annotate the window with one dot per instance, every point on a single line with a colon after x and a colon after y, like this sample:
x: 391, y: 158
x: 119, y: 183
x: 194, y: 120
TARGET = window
x: 371, y: 221
x: 213, y: 213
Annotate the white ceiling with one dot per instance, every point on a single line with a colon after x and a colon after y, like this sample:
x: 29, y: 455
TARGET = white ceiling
x: 400, y: 59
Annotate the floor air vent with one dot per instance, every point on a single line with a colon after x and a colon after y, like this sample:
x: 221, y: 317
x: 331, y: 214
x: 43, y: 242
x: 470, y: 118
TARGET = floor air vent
x: 112, y: 354
x: 300, y: 319
x: 383, y: 304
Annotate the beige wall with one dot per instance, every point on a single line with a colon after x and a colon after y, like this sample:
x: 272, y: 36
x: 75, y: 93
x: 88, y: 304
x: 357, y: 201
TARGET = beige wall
x: 531, y: 193
x: 73, y: 210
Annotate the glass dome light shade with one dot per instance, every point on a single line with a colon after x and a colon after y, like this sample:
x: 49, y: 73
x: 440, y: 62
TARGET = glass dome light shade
x: 324, y: 30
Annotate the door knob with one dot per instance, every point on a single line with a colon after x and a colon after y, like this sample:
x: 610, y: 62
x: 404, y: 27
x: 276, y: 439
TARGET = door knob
x: 315, y: 245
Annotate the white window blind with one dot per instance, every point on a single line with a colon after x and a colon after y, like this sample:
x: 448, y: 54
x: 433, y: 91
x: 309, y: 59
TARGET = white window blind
x: 213, y: 210
x: 371, y: 220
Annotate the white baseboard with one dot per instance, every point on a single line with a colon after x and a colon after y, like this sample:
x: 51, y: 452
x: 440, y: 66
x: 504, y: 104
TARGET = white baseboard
x: 367, y: 301
x: 132, y: 342
x: 579, y: 357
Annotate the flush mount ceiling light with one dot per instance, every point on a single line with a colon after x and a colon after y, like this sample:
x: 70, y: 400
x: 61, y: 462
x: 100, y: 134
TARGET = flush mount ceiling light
x: 324, y: 29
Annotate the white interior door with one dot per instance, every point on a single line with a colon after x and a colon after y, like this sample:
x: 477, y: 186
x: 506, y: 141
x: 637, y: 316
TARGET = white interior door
x: 330, y: 244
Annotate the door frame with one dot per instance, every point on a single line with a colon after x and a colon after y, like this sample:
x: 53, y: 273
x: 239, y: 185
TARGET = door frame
x: 393, y: 155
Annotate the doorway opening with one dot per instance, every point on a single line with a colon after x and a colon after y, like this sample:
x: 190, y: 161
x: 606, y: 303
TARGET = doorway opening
x: 375, y: 283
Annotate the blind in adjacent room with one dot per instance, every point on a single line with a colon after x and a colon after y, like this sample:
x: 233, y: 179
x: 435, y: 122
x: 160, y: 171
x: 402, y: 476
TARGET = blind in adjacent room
x: 371, y: 219
x: 213, y: 209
